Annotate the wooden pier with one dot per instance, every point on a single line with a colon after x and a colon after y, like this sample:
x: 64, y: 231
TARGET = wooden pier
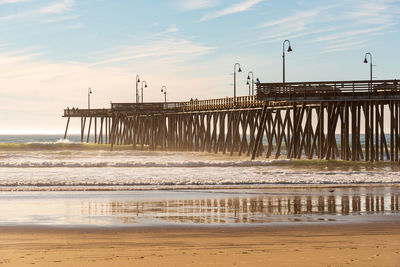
x: 348, y: 120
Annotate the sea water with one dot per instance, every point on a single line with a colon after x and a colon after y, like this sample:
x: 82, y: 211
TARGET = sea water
x: 50, y: 162
x: 47, y: 180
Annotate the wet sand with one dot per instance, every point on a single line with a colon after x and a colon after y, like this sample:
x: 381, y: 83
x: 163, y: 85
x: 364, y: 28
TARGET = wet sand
x: 213, y: 207
x: 370, y: 244
x: 333, y: 226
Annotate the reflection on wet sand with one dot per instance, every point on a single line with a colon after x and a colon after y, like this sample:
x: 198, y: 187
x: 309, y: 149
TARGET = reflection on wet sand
x: 258, y: 209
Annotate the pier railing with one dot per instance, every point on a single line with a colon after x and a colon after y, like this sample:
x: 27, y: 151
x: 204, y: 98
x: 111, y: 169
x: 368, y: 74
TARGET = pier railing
x: 75, y: 112
x: 148, y: 106
x: 222, y: 103
x: 191, y: 105
x: 327, y: 90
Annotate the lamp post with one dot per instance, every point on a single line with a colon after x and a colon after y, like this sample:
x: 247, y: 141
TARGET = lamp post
x: 234, y: 81
x: 250, y: 82
x: 370, y: 64
x: 164, y: 90
x: 283, y: 58
x: 88, y: 96
x: 145, y: 86
x: 137, y: 81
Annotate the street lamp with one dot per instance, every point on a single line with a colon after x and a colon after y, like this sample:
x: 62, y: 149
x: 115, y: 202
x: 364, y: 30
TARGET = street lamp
x: 250, y: 82
x: 88, y: 96
x: 145, y: 86
x: 370, y: 64
x: 234, y: 81
x: 283, y: 57
x: 164, y: 90
x: 137, y: 92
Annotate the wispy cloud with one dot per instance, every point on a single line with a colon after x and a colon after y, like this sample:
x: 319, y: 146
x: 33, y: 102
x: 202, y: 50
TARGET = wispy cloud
x: 197, y: 4
x: 3, y: 2
x: 54, y: 8
x: 300, y: 16
x: 236, y: 8
x: 343, y: 46
x: 74, y: 26
x: 59, y: 19
x: 337, y: 26
x: 175, y: 49
x: 346, y: 34
x: 57, y: 7
x: 375, y: 12
x: 172, y: 28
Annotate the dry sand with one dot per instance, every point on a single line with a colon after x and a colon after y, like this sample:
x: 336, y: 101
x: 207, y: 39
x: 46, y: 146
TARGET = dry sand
x: 373, y: 244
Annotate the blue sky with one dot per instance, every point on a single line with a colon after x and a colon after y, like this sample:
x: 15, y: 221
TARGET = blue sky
x: 52, y: 51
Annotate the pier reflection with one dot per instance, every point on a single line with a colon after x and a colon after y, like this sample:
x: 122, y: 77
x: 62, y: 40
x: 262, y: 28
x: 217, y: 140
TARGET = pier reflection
x: 246, y: 209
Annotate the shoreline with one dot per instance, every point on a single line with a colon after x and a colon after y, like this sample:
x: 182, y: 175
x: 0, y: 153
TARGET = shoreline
x: 106, y: 187
x: 211, y: 207
x: 365, y: 220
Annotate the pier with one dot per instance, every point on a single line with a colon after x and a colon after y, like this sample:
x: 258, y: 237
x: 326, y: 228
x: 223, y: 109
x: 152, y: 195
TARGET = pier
x: 347, y: 120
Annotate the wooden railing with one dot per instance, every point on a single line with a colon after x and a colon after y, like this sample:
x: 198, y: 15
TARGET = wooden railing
x: 148, y: 106
x: 75, y: 112
x: 192, y: 105
x: 327, y: 89
x: 222, y: 103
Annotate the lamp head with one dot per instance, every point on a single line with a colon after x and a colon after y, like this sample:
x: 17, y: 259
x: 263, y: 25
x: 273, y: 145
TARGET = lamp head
x: 365, y: 60
x: 145, y: 85
x: 248, y: 82
x: 290, y: 49
x: 239, y: 70
x: 90, y: 90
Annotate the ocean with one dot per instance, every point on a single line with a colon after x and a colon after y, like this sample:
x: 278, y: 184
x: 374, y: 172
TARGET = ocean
x: 47, y: 162
x: 47, y: 180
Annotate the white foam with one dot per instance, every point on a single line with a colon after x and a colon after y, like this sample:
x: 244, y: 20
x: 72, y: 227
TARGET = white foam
x: 104, y: 168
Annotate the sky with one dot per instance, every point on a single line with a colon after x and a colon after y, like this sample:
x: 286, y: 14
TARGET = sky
x: 52, y: 51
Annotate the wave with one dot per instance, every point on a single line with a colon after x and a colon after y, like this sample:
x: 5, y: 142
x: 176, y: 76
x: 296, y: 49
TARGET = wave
x: 133, y: 164
x: 108, y: 185
x: 58, y: 145
x: 285, y: 164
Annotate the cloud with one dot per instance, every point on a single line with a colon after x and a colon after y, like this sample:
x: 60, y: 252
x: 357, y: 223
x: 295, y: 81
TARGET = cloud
x: 337, y: 27
x: 57, y: 7
x: 54, y: 8
x: 3, y: 2
x: 174, y: 49
x: 59, y: 19
x: 343, y: 46
x: 346, y: 34
x: 296, y: 18
x: 36, y: 90
x: 197, y: 4
x: 172, y: 28
x: 376, y: 12
x: 236, y: 8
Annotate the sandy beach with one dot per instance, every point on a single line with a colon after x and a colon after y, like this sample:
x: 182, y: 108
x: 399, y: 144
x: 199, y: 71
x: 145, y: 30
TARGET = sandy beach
x: 371, y: 244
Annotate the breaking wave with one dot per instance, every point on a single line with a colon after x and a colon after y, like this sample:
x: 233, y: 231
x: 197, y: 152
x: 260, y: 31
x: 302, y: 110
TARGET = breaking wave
x: 61, y: 144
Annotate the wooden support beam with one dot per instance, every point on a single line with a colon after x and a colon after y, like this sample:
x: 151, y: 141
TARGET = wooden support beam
x: 66, y: 128
x: 260, y: 131
x: 392, y: 125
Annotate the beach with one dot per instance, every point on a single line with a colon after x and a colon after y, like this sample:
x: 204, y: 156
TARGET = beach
x: 277, y: 226
x: 376, y: 244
